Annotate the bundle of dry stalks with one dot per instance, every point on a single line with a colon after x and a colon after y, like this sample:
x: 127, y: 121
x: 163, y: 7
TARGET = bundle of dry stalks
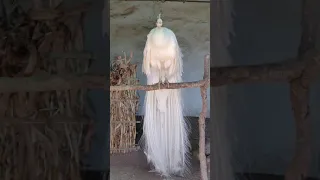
x: 41, y: 133
x: 123, y: 107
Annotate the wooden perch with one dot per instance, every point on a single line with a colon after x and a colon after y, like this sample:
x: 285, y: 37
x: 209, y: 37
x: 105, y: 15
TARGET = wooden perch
x: 161, y: 86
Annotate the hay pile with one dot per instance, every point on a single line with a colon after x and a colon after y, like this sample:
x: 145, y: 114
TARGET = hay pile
x: 123, y: 106
x: 41, y: 133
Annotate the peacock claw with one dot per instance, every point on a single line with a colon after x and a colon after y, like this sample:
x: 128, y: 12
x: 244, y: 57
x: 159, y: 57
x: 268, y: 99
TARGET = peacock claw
x: 167, y: 83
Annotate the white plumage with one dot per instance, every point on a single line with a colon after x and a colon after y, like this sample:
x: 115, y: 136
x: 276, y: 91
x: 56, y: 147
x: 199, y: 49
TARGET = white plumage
x: 165, y: 132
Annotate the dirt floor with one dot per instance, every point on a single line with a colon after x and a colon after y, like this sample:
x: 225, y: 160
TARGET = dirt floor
x: 133, y: 166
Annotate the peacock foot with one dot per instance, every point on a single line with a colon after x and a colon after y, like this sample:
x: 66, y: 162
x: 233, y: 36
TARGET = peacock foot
x: 167, y: 83
x: 159, y: 85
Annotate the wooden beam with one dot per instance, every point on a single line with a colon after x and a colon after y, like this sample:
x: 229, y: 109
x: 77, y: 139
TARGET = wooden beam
x: 51, y: 82
x: 273, y: 72
x: 46, y: 121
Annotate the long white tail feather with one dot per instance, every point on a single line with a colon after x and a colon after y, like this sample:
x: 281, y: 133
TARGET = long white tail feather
x: 165, y: 131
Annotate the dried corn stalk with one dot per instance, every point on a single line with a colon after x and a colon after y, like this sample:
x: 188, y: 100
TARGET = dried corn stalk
x: 123, y: 107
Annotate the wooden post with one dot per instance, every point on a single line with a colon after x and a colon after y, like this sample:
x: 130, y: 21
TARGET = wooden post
x: 299, y: 93
x: 202, y: 120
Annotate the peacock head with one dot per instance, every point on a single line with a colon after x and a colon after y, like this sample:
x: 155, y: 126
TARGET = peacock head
x: 159, y: 21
